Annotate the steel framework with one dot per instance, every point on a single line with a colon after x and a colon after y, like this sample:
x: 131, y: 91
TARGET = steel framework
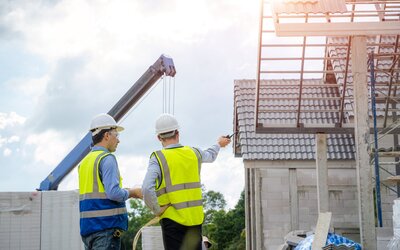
x: 306, y: 44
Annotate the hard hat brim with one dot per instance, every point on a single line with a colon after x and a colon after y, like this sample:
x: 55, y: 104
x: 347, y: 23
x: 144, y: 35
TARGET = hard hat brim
x: 97, y: 130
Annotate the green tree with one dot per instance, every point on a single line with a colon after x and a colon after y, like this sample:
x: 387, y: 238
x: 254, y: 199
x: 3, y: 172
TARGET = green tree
x: 212, y: 202
x: 139, y: 216
x: 226, y: 229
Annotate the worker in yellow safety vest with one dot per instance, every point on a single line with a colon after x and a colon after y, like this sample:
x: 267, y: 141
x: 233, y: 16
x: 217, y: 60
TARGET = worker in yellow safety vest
x: 103, y: 215
x: 172, y: 187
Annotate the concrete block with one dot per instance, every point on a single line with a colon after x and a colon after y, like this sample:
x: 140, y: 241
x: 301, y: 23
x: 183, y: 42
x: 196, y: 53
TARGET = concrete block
x: 152, y: 238
x: 271, y: 195
x: 274, y: 172
x: 274, y: 233
x: 387, y: 215
x: 342, y: 177
x: 60, y: 220
x: 302, y: 194
x: 281, y: 247
x: 384, y: 235
x: 350, y: 204
x: 351, y: 217
x: 277, y: 203
x: 268, y: 225
x: 20, y: 220
x: 273, y: 187
x: 335, y: 195
x: 277, y: 217
x: 313, y: 195
x: 306, y: 177
x: 285, y: 195
x: 349, y: 195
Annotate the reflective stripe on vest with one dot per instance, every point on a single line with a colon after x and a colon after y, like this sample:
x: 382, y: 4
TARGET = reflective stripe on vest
x: 180, y: 190
x: 104, y: 212
x: 97, y: 212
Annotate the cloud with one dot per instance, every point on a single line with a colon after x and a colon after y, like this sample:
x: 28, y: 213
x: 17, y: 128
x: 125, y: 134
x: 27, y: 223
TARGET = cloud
x: 31, y: 87
x: 50, y: 147
x: 10, y: 120
x: 225, y: 175
x: 13, y: 138
x: 87, y: 54
x: 133, y: 169
x: 7, y: 152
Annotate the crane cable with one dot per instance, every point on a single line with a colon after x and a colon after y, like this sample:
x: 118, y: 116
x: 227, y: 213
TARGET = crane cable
x: 141, y: 100
x: 168, y: 104
x: 166, y: 88
x: 149, y: 223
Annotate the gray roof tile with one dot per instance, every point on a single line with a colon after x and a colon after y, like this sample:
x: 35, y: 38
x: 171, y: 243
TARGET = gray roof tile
x: 252, y: 146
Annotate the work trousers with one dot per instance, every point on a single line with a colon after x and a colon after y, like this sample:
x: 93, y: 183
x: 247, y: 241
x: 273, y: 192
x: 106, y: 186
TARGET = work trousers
x: 103, y: 240
x: 179, y: 237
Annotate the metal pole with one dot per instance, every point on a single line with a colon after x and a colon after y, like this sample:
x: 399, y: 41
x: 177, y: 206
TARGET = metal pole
x: 376, y: 154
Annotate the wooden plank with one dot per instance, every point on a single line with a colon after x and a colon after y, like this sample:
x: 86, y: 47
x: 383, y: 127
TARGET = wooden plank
x: 392, y: 180
x: 337, y: 29
x: 321, y: 231
x: 388, y: 154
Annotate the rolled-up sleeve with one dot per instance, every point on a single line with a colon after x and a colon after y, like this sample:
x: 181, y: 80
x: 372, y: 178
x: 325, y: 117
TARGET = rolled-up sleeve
x: 110, y: 178
x: 149, y: 185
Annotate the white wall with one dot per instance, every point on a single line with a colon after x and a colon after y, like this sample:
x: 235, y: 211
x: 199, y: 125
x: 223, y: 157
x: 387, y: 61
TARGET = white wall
x: 40, y: 220
x: 275, y: 206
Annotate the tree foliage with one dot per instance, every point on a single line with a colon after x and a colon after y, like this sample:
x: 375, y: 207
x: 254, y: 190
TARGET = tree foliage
x: 139, y: 216
x: 225, y: 229
x: 212, y: 202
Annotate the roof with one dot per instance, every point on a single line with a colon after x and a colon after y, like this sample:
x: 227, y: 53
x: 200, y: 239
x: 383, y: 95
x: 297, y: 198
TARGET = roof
x: 252, y: 146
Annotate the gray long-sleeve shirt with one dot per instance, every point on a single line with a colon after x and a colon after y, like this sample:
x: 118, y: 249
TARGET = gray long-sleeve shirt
x: 154, y: 172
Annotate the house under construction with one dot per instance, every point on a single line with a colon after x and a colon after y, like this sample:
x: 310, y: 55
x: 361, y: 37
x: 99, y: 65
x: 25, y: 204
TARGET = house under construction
x: 318, y: 128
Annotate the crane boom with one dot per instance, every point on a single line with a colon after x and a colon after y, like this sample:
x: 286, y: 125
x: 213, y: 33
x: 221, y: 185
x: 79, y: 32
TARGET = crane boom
x: 163, y: 65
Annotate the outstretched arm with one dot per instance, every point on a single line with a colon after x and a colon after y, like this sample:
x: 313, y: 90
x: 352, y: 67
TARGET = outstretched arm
x: 210, y: 154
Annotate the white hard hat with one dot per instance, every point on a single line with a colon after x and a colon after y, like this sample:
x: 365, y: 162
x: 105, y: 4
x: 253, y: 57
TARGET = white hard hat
x: 103, y: 121
x: 166, y: 123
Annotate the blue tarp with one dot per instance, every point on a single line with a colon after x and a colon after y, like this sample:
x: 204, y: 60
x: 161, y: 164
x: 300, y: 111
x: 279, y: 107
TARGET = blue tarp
x: 331, y: 239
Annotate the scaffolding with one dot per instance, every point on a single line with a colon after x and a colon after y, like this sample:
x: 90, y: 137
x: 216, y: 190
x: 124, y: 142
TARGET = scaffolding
x: 393, y: 151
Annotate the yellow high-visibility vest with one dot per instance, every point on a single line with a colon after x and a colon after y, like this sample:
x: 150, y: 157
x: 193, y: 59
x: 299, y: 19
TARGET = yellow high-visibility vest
x: 97, y: 212
x: 180, y: 186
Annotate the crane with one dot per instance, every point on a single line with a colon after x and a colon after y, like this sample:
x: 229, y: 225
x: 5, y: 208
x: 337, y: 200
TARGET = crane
x: 164, y: 65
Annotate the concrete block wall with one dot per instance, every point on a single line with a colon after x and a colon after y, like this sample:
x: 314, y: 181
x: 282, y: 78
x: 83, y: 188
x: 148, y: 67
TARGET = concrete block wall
x: 39, y: 220
x: 387, y: 198
x: 276, y: 204
x: 20, y: 220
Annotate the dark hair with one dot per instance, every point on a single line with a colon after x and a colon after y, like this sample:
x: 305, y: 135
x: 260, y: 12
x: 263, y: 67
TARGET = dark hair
x: 169, y: 135
x: 99, y: 137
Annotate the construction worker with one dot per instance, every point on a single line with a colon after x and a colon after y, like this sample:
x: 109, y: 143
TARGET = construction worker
x: 103, y: 215
x: 172, y: 188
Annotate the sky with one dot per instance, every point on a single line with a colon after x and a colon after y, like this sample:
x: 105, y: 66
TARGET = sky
x: 63, y: 62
